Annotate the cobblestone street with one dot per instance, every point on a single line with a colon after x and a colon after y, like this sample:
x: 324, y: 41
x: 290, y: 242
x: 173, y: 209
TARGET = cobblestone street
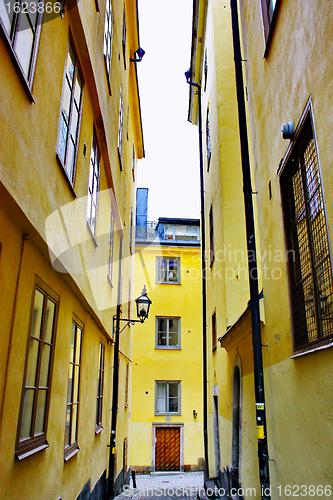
x: 171, y: 486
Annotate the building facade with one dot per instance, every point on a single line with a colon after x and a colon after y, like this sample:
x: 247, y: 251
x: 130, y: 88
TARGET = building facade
x: 287, y: 75
x: 70, y: 134
x: 166, y: 433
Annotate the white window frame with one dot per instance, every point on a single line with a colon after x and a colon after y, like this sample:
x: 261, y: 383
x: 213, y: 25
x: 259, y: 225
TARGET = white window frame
x: 108, y: 41
x: 121, y: 129
x: 167, y: 382
x: 167, y: 346
x: 93, y: 186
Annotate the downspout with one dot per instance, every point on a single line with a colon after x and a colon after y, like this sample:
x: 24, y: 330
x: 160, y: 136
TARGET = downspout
x: 252, y: 265
x: 203, y: 267
x: 115, y: 387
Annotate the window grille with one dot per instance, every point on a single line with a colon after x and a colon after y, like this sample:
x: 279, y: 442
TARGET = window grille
x: 310, y: 271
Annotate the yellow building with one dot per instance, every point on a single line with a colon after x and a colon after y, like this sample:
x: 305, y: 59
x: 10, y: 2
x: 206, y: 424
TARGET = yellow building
x: 70, y: 134
x: 166, y: 423
x: 286, y: 62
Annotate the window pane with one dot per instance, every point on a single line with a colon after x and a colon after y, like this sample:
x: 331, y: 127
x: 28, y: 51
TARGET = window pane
x: 49, y: 321
x: 78, y: 346
x: 76, y: 384
x: 173, y: 339
x: 27, y: 413
x: 78, y: 89
x: 63, y: 139
x: 32, y: 363
x: 23, y: 44
x: 41, y: 403
x: 45, y: 363
x: 73, y: 424
x: 6, y: 19
x: 75, y: 119
x: 67, y: 425
x: 173, y: 389
x: 70, y: 66
x: 173, y: 325
x: 162, y: 338
x: 73, y: 342
x: 173, y: 404
x: 173, y: 270
x: 37, y: 315
x: 70, y: 159
x: 70, y: 384
x: 162, y: 324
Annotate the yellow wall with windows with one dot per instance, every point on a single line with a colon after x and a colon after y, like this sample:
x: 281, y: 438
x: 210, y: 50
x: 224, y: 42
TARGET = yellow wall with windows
x: 150, y: 364
x: 44, y: 233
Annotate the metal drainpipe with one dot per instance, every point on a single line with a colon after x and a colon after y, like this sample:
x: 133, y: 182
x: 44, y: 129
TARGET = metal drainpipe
x: 252, y: 265
x: 115, y: 388
x: 203, y: 266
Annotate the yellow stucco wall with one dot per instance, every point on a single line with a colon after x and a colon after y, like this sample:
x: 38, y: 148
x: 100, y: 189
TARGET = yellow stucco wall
x: 150, y: 364
x: 37, y: 201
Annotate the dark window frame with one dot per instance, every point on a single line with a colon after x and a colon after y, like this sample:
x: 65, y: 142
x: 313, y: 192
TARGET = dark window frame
x: 124, y: 38
x: 126, y: 403
x: 28, y: 446
x: 10, y: 40
x: 111, y: 247
x: 214, y: 331
x: 94, y: 178
x: 208, y: 140
x: 269, y: 19
x: 73, y: 448
x: 108, y: 41
x: 306, y: 237
x: 167, y: 346
x: 100, y: 388
x: 72, y: 105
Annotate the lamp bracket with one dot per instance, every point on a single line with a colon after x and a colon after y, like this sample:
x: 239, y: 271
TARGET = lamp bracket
x: 129, y: 322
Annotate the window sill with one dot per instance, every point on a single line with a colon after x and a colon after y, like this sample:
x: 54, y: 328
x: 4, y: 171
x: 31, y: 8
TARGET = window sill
x: 168, y: 283
x: 71, y: 451
x: 167, y: 414
x: 14, y: 58
x: 64, y: 171
x: 92, y: 234
x: 99, y: 429
x: 109, y: 280
x: 21, y: 455
x: 167, y: 348
x: 311, y: 349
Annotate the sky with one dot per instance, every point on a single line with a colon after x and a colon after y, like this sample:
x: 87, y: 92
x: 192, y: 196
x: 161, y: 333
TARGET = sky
x: 170, y: 169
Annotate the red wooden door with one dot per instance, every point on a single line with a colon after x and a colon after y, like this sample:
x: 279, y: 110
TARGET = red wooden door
x: 167, y: 448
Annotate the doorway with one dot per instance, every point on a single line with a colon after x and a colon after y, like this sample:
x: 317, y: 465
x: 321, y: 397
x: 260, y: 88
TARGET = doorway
x: 167, y: 448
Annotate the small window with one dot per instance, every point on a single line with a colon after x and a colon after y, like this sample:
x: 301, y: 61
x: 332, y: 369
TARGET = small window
x: 214, y: 332
x: 93, y: 186
x: 121, y: 130
x: 100, y: 387
x: 205, y: 71
x: 126, y: 385
x: 268, y: 9
x: 73, y: 393
x: 309, y: 262
x: 167, y: 398
x: 108, y: 40
x: 111, y: 242
x: 124, y: 35
x: 167, y: 333
x: 131, y: 231
x: 70, y: 116
x: 211, y: 235
x: 168, y: 270
x: 208, y: 144
x: 35, y: 400
x: 21, y: 31
x: 133, y: 162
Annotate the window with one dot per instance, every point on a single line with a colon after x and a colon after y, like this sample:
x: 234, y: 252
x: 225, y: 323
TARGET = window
x: 111, y: 241
x: 167, y: 333
x: 21, y: 31
x: 205, y: 71
x: 73, y: 393
x: 168, y: 270
x: 126, y: 385
x: 133, y: 163
x: 131, y: 231
x: 214, y: 333
x: 32, y: 425
x: 121, y: 130
x: 108, y: 39
x: 124, y: 36
x: 100, y: 386
x: 93, y: 186
x: 309, y: 263
x: 208, y: 144
x: 268, y: 9
x: 70, y: 116
x: 167, y: 398
x: 211, y: 235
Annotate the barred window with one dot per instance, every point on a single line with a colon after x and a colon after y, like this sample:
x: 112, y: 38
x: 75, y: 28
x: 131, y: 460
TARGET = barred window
x: 310, y: 271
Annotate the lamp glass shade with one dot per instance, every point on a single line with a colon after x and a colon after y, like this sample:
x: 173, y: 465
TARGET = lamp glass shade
x: 143, y: 305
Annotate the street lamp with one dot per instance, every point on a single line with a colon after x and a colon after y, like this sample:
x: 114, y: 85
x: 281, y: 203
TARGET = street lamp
x: 142, y: 308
